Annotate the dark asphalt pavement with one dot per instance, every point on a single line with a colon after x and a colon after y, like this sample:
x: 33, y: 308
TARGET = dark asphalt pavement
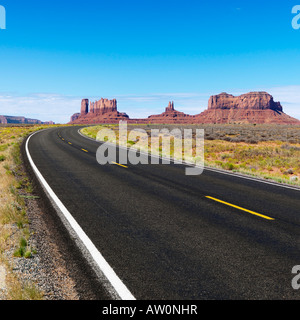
x: 163, y: 236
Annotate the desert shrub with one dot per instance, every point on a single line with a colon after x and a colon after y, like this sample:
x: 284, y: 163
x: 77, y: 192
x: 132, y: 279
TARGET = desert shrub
x: 228, y: 166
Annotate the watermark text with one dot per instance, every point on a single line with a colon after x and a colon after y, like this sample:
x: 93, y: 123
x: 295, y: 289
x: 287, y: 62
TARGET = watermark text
x: 154, y: 147
x: 296, y: 279
x: 296, y: 19
x: 2, y: 18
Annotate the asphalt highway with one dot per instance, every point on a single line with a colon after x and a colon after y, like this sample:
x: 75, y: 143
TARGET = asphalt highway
x: 169, y: 236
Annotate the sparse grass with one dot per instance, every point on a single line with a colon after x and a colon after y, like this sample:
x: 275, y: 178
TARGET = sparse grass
x: 266, y: 151
x: 23, y: 250
x: 14, y: 224
x: 22, y: 291
x: 269, y: 160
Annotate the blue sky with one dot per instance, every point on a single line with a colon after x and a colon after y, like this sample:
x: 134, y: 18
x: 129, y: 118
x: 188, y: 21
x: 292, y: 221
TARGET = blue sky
x: 145, y: 53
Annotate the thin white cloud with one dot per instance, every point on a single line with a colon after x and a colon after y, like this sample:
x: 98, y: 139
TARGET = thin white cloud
x: 41, y: 106
x: 59, y: 108
x: 289, y: 97
x: 142, y: 106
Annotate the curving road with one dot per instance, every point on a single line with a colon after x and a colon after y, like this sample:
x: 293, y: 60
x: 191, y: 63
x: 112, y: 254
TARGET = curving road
x: 171, y: 236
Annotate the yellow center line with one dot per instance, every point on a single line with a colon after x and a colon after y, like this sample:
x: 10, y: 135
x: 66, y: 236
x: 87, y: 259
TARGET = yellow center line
x: 121, y: 165
x: 84, y: 150
x: 240, y: 208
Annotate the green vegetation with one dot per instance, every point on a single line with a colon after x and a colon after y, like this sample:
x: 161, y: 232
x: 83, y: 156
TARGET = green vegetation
x: 270, y: 160
x: 15, y: 187
x: 265, y: 151
x: 23, y: 250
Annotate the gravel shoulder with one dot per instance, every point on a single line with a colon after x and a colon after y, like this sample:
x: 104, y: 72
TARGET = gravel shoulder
x: 56, y: 269
x: 47, y: 267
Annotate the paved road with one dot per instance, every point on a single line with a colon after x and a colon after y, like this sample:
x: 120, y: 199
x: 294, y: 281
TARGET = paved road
x: 166, y: 235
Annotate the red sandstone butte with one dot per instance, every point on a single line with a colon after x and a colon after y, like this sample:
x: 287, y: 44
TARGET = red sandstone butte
x: 171, y: 116
x: 75, y: 116
x: 22, y: 120
x: 253, y: 107
x: 101, y: 111
x: 84, y: 107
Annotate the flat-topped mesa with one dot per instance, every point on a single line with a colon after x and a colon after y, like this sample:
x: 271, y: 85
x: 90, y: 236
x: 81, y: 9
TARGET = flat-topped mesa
x: 103, y: 106
x: 248, y: 101
x: 21, y: 120
x: 253, y: 107
x: 101, y: 111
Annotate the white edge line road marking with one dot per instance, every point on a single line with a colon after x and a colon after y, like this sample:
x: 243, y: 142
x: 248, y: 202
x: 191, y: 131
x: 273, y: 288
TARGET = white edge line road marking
x: 237, y: 175
x: 109, y: 273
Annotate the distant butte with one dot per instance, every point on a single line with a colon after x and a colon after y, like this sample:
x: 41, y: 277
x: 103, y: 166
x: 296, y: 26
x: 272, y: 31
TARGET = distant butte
x: 253, y: 107
x: 101, y: 111
x: 22, y: 120
x: 171, y: 116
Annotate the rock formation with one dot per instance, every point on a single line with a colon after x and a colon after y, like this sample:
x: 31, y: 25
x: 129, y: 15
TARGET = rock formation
x: 101, y: 111
x: 171, y: 116
x: 84, y: 107
x: 103, y: 106
x: 253, y: 107
x: 49, y: 122
x: 75, y: 116
x: 252, y: 101
x: 21, y: 120
x: 170, y: 107
x: 3, y: 120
